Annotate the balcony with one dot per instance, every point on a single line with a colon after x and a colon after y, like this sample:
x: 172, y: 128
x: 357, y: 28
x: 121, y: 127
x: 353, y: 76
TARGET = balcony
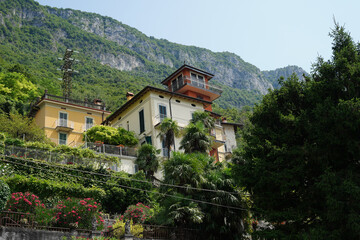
x: 205, y: 87
x: 64, y: 125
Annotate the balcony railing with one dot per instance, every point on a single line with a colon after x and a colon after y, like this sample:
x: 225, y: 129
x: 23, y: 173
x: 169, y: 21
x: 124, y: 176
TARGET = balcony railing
x: 197, y: 83
x: 111, y: 149
x: 73, y: 101
x: 64, y: 123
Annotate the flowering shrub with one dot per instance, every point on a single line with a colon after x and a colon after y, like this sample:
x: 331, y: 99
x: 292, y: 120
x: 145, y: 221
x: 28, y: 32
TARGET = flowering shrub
x: 23, y: 202
x: 138, y: 213
x: 78, y: 213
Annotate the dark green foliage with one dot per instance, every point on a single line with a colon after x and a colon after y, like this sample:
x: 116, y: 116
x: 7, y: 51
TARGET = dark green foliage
x: 301, y: 156
x: 49, y: 189
x: 169, y: 129
x: 147, y: 159
x: 199, y: 171
x: 4, y: 194
x: 60, y: 181
x: 196, y: 138
x: 205, y: 118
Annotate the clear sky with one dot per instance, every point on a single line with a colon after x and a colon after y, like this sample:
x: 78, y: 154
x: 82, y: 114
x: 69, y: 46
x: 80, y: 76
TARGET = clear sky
x: 267, y: 33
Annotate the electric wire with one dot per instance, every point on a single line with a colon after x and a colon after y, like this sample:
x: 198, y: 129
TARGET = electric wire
x: 144, y: 181
x: 129, y: 187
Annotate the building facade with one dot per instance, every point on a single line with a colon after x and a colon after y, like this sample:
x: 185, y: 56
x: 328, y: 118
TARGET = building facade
x: 65, y: 120
x: 188, y: 90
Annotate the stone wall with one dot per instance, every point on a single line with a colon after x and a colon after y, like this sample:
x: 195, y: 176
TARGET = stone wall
x: 12, y: 233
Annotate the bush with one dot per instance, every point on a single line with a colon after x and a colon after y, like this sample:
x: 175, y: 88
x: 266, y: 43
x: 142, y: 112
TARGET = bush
x: 135, y: 229
x: 49, y: 189
x: 138, y: 213
x: 78, y: 213
x: 24, y: 202
x: 4, y: 194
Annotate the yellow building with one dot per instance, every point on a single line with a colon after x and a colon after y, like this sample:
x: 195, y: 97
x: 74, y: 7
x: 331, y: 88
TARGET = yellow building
x: 64, y: 120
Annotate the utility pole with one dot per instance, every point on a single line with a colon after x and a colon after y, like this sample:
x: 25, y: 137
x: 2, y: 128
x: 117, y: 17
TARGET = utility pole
x: 68, y: 71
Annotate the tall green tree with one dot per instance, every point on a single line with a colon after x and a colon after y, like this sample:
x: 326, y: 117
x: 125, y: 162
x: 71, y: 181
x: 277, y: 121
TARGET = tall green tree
x: 196, y: 138
x: 147, y: 159
x: 300, y: 159
x: 18, y: 126
x: 169, y: 129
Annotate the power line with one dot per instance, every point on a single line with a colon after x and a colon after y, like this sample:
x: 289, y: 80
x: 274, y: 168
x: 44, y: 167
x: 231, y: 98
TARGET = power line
x: 144, y: 181
x: 129, y: 187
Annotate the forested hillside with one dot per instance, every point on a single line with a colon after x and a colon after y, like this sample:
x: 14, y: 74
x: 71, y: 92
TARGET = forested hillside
x: 114, y: 58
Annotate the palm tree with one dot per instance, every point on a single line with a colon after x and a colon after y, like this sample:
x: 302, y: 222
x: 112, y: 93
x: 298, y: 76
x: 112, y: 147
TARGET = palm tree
x: 169, y: 129
x: 196, y: 138
x: 205, y: 118
x: 147, y: 159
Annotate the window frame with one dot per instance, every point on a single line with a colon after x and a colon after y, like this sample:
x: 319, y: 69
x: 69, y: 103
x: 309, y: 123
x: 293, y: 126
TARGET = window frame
x: 165, y: 106
x: 142, y: 124
x: 86, y: 124
x: 61, y: 120
x: 66, y: 138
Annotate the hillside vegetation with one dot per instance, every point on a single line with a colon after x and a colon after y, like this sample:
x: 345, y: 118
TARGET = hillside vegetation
x: 114, y: 58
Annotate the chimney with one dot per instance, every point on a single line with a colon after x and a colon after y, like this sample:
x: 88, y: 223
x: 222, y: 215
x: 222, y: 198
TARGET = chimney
x: 97, y: 103
x: 129, y: 96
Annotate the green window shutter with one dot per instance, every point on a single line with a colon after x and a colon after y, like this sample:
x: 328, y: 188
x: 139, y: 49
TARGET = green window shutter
x: 142, y: 121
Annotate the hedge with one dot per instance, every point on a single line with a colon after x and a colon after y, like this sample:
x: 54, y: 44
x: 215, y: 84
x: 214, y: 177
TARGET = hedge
x: 46, y: 189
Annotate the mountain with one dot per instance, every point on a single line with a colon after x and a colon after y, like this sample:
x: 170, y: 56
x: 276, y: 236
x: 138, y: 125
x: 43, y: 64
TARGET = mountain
x: 274, y: 75
x: 114, y: 58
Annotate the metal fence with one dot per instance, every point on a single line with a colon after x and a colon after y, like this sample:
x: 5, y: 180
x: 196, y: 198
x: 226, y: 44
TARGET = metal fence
x: 49, y: 156
x: 111, y: 149
x: 164, y: 232
x: 27, y: 220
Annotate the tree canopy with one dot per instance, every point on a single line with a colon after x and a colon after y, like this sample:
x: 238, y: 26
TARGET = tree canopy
x: 17, y: 126
x: 148, y: 160
x: 300, y: 159
x: 110, y: 135
x: 196, y: 138
x: 196, y: 172
x: 169, y: 129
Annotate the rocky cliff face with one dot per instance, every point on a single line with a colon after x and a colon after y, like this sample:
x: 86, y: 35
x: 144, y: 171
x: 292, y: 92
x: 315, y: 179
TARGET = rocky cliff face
x: 40, y: 33
x: 229, y: 69
x: 274, y: 75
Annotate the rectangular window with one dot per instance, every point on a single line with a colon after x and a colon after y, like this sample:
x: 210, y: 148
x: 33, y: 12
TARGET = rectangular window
x: 201, y: 81
x: 89, y: 123
x: 180, y: 81
x: 62, y: 138
x: 142, y: 121
x: 177, y: 83
x: 148, y: 140
x: 194, y: 80
x: 162, y: 112
x: 197, y: 80
x: 63, y: 119
x: 174, y: 85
